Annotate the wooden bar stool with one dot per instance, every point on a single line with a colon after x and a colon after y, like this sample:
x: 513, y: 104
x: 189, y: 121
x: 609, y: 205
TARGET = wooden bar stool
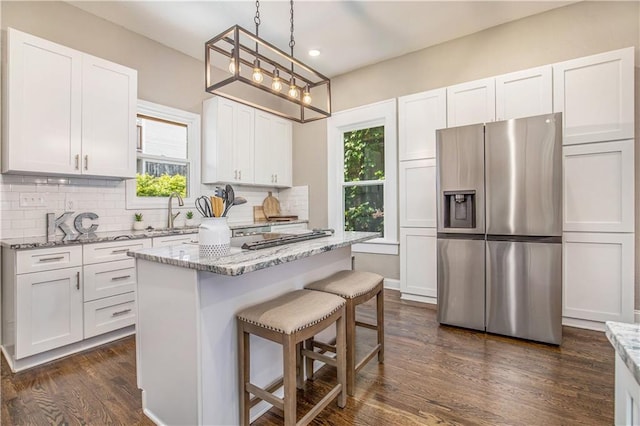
x: 355, y: 287
x: 290, y: 320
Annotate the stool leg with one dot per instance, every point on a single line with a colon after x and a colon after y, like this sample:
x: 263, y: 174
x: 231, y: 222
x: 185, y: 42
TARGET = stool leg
x: 351, y: 346
x: 299, y: 367
x: 308, y: 344
x: 341, y: 355
x: 289, y: 358
x: 380, y: 323
x: 244, y: 372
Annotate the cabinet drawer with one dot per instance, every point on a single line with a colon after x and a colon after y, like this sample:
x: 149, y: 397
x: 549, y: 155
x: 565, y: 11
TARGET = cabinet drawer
x: 108, y: 314
x: 116, y: 250
x: 175, y: 239
x: 40, y: 260
x: 109, y: 279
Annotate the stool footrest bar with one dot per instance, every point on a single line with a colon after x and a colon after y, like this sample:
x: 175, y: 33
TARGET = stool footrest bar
x: 265, y: 396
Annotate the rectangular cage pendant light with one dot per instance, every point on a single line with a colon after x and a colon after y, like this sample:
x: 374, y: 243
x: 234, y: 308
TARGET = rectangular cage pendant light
x: 242, y: 67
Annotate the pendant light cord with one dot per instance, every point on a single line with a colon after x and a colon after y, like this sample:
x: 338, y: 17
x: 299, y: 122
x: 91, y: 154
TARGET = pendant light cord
x: 292, y: 41
x: 256, y: 19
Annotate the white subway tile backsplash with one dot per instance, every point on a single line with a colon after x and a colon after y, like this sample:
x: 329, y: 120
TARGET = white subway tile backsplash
x: 9, y: 179
x: 21, y: 187
x: 107, y: 199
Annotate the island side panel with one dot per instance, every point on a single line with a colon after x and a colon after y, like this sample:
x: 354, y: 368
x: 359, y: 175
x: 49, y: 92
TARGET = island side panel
x: 221, y: 297
x: 167, y: 342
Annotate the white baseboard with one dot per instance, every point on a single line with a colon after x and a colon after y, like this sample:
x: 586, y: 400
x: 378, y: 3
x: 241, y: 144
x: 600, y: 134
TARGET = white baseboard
x: 391, y: 284
x: 421, y: 299
x: 61, y: 352
x: 582, y: 323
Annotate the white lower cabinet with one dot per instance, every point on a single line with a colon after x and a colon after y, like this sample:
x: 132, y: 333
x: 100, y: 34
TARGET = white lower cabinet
x: 418, y: 254
x: 48, y: 310
x: 598, y: 278
x: 108, y: 314
x: 54, y: 299
x: 627, y: 395
x: 109, y: 279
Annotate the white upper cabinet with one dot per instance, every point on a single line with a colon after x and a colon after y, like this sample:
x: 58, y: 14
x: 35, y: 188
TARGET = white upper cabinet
x: 109, y: 98
x: 595, y: 95
x: 273, y: 157
x: 598, y: 187
x: 524, y: 93
x: 419, y: 116
x: 67, y: 112
x: 42, y: 111
x: 418, y: 193
x: 471, y: 103
x: 228, y: 148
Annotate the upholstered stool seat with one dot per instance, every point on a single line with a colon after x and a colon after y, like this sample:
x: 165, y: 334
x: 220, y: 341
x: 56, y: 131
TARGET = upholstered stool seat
x: 356, y: 287
x: 290, y: 320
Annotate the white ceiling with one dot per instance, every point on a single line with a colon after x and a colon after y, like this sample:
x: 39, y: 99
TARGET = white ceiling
x: 350, y: 34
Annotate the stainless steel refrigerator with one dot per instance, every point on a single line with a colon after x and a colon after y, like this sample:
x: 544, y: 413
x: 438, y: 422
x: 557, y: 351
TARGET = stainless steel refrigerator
x: 500, y: 227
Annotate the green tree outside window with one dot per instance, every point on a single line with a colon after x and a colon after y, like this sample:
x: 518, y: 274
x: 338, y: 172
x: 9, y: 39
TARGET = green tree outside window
x: 364, y: 162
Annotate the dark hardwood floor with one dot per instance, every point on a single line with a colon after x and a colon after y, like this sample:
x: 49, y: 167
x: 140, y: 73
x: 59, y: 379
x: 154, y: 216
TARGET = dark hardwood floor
x: 432, y: 375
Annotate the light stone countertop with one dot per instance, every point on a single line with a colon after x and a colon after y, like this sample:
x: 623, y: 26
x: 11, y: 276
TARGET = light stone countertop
x: 240, y: 261
x: 625, y: 339
x: 41, y: 241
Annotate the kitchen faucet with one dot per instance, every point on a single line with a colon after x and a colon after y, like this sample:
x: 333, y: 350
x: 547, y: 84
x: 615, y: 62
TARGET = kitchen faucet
x: 172, y: 216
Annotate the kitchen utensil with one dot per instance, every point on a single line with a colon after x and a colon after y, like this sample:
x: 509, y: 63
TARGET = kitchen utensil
x: 239, y: 200
x: 230, y: 197
x: 217, y: 205
x: 203, y: 205
x: 271, y: 206
x: 236, y: 202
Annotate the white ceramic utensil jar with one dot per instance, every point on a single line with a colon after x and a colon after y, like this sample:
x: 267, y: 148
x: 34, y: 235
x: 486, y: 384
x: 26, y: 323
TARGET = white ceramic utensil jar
x: 214, y: 237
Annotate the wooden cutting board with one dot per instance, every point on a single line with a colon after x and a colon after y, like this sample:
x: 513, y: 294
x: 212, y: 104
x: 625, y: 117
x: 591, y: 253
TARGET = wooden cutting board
x: 271, y: 206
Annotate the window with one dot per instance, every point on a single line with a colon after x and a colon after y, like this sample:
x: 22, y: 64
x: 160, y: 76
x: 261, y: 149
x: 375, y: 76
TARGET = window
x: 167, y: 156
x: 362, y: 174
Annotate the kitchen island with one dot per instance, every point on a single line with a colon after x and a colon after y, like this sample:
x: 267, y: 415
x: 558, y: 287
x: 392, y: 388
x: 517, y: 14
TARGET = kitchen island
x: 625, y: 339
x: 186, y: 335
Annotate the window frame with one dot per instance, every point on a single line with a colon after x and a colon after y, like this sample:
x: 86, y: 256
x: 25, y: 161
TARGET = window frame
x: 192, y: 121
x: 372, y: 115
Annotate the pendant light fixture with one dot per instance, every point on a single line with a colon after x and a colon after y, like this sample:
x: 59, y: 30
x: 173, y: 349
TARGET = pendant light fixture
x: 238, y: 66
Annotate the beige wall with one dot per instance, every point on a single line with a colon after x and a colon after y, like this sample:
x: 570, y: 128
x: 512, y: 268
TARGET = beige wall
x: 570, y: 32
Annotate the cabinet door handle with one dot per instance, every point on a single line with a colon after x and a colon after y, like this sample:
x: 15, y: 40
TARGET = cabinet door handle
x: 276, y: 178
x: 123, y: 277
x: 117, y: 314
x: 77, y: 280
x: 50, y: 259
x: 77, y: 161
x: 86, y: 162
x: 119, y: 251
x: 239, y: 174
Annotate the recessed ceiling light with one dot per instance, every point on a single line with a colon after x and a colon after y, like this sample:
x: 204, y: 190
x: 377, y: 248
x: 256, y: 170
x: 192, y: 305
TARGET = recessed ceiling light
x: 314, y: 52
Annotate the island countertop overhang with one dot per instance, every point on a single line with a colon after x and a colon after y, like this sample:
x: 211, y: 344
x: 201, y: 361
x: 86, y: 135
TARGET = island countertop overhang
x: 240, y: 262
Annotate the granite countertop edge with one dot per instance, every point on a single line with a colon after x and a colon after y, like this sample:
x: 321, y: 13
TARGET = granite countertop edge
x: 26, y: 243
x: 245, y: 261
x: 625, y: 339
